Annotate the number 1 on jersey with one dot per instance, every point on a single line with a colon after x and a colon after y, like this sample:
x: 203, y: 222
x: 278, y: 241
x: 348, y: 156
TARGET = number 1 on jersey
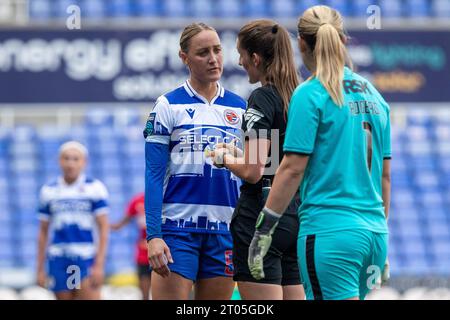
x: 368, y: 129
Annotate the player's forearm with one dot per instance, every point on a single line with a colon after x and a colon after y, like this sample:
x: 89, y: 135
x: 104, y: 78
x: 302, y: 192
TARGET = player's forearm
x: 386, y: 186
x: 42, y: 244
x: 103, y: 242
x: 285, y: 185
x: 125, y: 220
x: 386, y: 191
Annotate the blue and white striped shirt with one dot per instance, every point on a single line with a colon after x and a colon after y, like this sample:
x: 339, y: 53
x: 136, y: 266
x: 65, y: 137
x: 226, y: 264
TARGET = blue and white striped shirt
x: 197, y: 196
x: 71, y: 211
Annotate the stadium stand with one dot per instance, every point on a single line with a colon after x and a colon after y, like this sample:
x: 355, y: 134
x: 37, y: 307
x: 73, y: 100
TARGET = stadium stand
x: 47, y: 9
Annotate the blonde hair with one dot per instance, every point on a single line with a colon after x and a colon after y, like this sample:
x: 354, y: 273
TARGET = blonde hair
x: 189, y: 32
x: 73, y: 145
x: 272, y: 43
x: 322, y: 29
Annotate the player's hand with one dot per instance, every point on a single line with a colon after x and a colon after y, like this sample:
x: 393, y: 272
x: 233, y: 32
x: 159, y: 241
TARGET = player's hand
x: 42, y: 279
x: 97, y: 275
x: 231, y: 147
x: 262, y: 239
x: 386, y: 273
x: 159, y: 256
x: 217, y: 156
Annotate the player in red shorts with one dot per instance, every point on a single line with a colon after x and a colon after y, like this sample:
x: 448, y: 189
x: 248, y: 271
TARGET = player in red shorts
x: 136, y: 210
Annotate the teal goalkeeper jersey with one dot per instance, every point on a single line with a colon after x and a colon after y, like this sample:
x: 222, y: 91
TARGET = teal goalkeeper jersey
x: 341, y: 187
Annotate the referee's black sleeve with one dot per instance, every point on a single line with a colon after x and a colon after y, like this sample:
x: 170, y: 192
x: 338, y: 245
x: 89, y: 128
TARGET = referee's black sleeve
x: 259, y: 117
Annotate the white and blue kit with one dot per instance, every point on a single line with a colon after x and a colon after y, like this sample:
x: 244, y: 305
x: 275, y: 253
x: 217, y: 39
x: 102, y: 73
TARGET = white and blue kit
x: 186, y: 195
x: 71, y: 210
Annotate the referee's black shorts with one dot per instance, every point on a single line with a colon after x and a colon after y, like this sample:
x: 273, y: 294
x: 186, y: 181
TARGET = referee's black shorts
x: 280, y: 263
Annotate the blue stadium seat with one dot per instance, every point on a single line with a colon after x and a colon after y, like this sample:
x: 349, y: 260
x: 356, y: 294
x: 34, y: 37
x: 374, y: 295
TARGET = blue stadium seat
x: 7, y: 254
x: 409, y: 230
x: 440, y: 132
x: 438, y: 231
x: 431, y: 199
x: 391, y: 8
x: 417, y: 133
x: 403, y: 197
x: 175, y: 8
x: 419, y: 116
x: 99, y: 117
x: 256, y: 8
x: 228, y: 8
x: 114, y: 184
x: 60, y: 8
x: 427, y: 180
x: 202, y: 8
x: 147, y: 8
x: 127, y: 117
x: 302, y: 5
x: 441, y: 8
x: 118, y: 8
x: 283, y: 9
x: 93, y: 9
x: 359, y: 8
x: 443, y: 148
x: 344, y: 7
x: 417, y: 8
x: 400, y: 179
x: 40, y: 9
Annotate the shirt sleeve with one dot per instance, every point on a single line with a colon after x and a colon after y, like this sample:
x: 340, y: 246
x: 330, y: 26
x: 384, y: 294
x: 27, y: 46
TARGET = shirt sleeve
x: 100, y: 199
x: 44, y: 212
x: 387, y: 137
x: 302, y: 123
x: 159, y: 124
x: 258, y: 118
x: 156, y: 160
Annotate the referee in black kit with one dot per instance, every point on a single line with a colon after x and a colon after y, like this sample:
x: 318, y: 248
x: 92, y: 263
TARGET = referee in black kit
x: 266, y: 54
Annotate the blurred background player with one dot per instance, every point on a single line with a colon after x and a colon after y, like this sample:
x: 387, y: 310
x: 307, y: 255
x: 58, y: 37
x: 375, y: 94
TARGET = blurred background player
x: 266, y: 54
x: 70, y: 260
x: 136, y: 210
x: 192, y: 243
x: 337, y: 151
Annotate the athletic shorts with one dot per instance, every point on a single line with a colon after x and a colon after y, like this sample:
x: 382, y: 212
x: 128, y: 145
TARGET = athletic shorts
x: 280, y: 263
x: 341, y: 265
x: 67, y: 273
x: 200, y: 255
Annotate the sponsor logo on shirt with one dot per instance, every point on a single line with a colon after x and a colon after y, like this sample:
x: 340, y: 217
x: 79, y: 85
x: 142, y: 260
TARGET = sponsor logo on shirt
x: 231, y: 117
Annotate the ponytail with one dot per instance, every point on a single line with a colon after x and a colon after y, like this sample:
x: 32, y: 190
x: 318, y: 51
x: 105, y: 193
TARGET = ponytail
x: 330, y: 58
x: 321, y: 27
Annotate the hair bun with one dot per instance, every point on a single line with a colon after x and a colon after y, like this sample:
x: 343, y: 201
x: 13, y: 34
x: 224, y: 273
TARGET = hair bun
x: 275, y: 29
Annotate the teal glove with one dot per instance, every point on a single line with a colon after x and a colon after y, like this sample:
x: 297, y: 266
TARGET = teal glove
x: 262, y: 239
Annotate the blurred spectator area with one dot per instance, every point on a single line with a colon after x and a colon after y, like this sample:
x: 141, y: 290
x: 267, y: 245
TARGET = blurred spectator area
x: 29, y: 142
x: 43, y: 10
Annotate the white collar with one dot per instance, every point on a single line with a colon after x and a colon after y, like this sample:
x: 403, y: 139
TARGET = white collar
x: 191, y: 91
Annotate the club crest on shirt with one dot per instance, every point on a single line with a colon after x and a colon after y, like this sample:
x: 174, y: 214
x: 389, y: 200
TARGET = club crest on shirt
x: 231, y: 117
x: 150, y: 125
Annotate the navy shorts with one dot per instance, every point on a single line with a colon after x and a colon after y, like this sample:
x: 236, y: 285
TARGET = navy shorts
x: 200, y: 255
x: 67, y: 273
